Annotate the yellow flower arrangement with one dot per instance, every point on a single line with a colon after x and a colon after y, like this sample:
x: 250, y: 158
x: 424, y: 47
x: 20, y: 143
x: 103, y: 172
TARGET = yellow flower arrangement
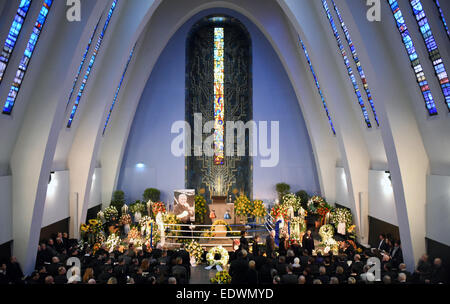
x: 221, y: 277
x: 243, y: 206
x: 200, y: 208
x: 259, y: 210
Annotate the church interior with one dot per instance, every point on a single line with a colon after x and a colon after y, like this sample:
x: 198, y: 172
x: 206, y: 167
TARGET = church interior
x: 119, y: 120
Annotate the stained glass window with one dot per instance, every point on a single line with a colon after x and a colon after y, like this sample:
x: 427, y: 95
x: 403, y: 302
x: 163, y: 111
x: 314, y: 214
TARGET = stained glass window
x: 413, y: 57
x: 118, y: 90
x: 441, y: 14
x: 317, y: 85
x: 432, y: 47
x: 219, y: 95
x: 91, y: 64
x: 357, y: 62
x: 347, y: 64
x: 13, y: 35
x: 23, y: 66
x: 83, y: 60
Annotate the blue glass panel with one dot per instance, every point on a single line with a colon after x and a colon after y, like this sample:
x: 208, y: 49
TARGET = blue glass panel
x: 317, y: 85
x: 357, y: 62
x: 118, y: 90
x: 441, y: 15
x: 13, y: 35
x: 23, y: 66
x: 347, y: 64
x: 432, y: 48
x: 91, y: 64
x: 413, y: 57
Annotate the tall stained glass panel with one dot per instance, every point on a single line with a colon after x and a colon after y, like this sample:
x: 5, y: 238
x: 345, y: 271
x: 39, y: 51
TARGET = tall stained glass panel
x: 432, y: 48
x: 118, y: 90
x: 441, y: 14
x: 91, y: 64
x: 218, y: 96
x: 13, y: 35
x: 83, y: 60
x: 413, y: 57
x: 347, y: 64
x: 360, y: 69
x: 317, y: 85
x: 25, y: 61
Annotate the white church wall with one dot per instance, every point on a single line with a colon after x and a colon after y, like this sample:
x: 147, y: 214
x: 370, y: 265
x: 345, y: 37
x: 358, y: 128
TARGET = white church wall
x: 341, y: 188
x: 57, y: 199
x: 438, y: 208
x: 162, y: 103
x: 381, y: 197
x: 95, y: 195
x: 5, y: 209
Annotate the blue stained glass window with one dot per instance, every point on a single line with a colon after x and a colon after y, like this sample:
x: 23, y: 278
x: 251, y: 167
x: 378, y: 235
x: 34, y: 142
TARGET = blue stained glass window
x: 441, y: 14
x: 13, y: 35
x: 432, y: 47
x: 357, y: 62
x: 347, y: 64
x: 23, y: 66
x: 317, y: 85
x: 413, y: 57
x: 83, y: 60
x: 91, y: 64
x: 118, y: 90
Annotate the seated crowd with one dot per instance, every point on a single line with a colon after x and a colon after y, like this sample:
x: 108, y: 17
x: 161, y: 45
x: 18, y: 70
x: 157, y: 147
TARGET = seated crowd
x: 263, y: 264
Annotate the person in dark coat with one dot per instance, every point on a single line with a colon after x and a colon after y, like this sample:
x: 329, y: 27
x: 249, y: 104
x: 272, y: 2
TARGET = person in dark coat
x: 238, y: 268
x: 243, y: 241
x: 270, y: 244
x: 252, y: 274
x: 308, y: 242
x: 289, y: 277
x: 438, y: 274
x: 14, y: 271
x: 255, y: 247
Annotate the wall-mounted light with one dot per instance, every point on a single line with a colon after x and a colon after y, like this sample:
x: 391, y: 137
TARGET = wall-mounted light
x: 388, y: 173
x: 386, y: 182
x: 140, y: 165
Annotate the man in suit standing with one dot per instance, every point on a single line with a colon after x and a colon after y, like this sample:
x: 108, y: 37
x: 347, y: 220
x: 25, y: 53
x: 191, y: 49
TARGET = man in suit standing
x: 382, y: 245
x: 308, y: 242
x: 239, y: 268
x: 396, y: 254
x: 289, y: 277
x: 270, y: 243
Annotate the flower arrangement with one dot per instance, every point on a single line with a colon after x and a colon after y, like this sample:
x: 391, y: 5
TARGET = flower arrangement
x: 134, y: 234
x: 200, y: 208
x: 137, y: 207
x: 279, y: 210
x: 221, y: 277
x: 259, y: 210
x: 314, y: 202
x: 342, y: 215
x: 298, y: 222
x: 125, y: 219
x: 326, y: 232
x: 330, y: 244
x: 221, y: 252
x: 112, y: 242
x: 323, y: 209
x: 111, y: 214
x: 243, y: 206
x: 195, y: 250
x: 291, y: 200
x: 170, y: 218
x: 146, y: 225
x: 158, y: 207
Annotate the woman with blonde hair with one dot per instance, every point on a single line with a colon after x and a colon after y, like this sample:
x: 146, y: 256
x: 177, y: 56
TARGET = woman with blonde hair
x: 88, y: 274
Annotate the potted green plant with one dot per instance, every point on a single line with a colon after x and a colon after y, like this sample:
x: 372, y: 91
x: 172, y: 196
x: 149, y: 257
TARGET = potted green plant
x: 282, y: 190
